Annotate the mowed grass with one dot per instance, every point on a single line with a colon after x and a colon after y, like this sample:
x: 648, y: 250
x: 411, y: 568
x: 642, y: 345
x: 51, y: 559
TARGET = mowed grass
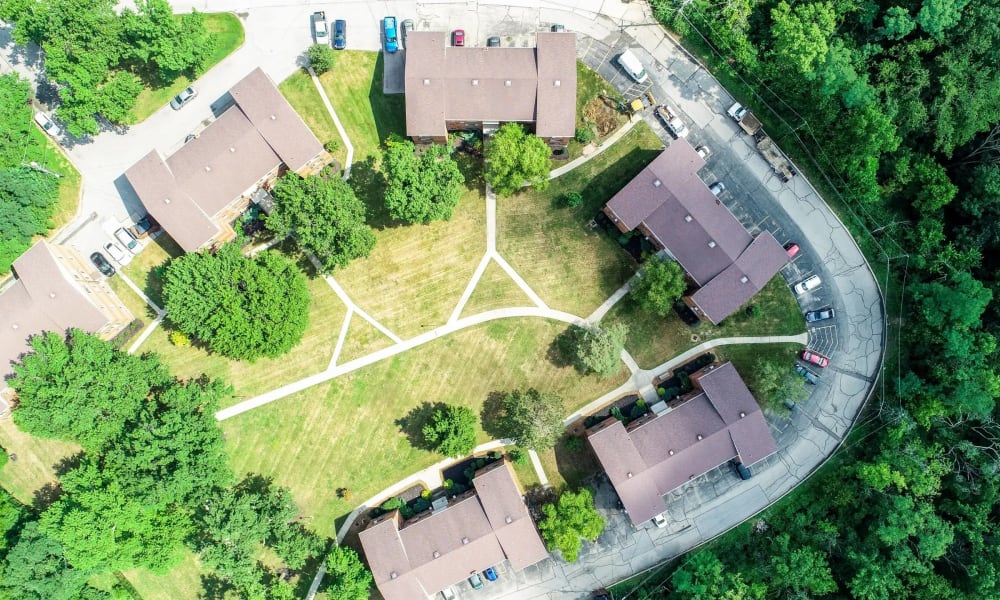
x: 745, y: 358
x: 182, y: 582
x: 312, y: 355
x: 495, y: 289
x: 229, y: 36
x: 572, y: 266
x: 653, y: 339
x: 131, y: 300
x: 354, y: 87
x: 590, y: 85
x: 301, y: 93
x: 344, y: 433
x: 36, y: 458
x: 142, y: 269
x: 362, y: 339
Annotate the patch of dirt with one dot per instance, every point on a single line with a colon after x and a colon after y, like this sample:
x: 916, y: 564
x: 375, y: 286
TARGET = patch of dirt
x: 602, y: 114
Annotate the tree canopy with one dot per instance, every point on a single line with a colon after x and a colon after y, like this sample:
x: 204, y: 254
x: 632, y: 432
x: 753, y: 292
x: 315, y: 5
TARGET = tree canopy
x: 240, y: 307
x: 420, y: 187
x: 515, y: 157
x: 324, y: 216
x: 658, y: 285
x: 598, y: 349
x: 347, y: 578
x: 452, y: 430
x: 570, y: 521
x: 531, y: 418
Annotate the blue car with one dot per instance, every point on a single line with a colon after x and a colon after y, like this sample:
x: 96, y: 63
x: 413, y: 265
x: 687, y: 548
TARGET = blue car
x: 389, y: 29
x: 339, y: 34
x: 490, y: 574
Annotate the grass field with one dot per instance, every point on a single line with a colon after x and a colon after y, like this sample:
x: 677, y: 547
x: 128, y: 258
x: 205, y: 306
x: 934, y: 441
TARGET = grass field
x: 182, y: 582
x: 362, y: 339
x: 301, y: 93
x: 312, y: 355
x: 131, y: 300
x: 229, y: 36
x: 344, y: 433
x: 571, y: 266
x: 142, y: 268
x: 354, y: 87
x: 36, y: 458
x: 495, y: 289
x: 653, y: 339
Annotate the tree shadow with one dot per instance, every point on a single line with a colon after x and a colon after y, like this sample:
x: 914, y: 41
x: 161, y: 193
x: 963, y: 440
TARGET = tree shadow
x: 214, y: 587
x: 412, y: 423
x: 67, y: 464
x: 490, y: 415
x: 562, y: 351
x: 574, y: 459
x: 369, y: 186
x: 46, y: 496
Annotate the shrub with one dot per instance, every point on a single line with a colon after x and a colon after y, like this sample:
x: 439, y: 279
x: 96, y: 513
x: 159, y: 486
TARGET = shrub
x: 392, y: 504
x: 425, y: 494
x: 572, y: 199
x: 584, y: 135
x: 321, y: 57
x: 617, y: 413
x: 331, y: 146
x: 518, y: 456
x: 179, y: 339
x: 573, y: 442
x: 448, y: 484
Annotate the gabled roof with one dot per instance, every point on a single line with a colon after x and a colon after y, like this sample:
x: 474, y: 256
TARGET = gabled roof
x: 434, y: 551
x: 42, y: 298
x: 741, y: 281
x: 252, y: 138
x: 445, y: 83
x: 721, y: 423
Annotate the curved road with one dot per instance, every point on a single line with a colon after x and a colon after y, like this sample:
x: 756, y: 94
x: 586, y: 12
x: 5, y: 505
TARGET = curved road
x: 277, y: 35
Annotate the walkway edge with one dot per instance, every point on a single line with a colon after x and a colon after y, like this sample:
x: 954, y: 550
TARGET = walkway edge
x: 336, y: 122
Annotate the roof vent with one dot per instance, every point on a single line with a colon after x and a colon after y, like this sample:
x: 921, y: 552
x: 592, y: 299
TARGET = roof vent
x: 393, y: 575
x: 475, y: 82
x: 670, y: 452
x: 744, y: 279
x: 657, y: 183
x: 274, y: 118
x: 166, y: 200
x: 700, y: 437
x: 688, y: 218
x: 427, y: 82
x: 629, y: 474
x: 506, y: 83
x: 508, y: 520
x: 232, y: 149
x: 208, y: 169
x: 742, y: 414
x: 465, y: 541
x: 14, y: 325
x: 52, y: 294
x: 437, y: 554
x: 711, y: 243
x: 557, y: 83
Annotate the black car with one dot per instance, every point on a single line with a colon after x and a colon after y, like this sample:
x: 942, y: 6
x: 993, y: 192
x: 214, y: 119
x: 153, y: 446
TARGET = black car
x: 811, y: 377
x: 558, y: 28
x: 741, y: 470
x: 493, y: 42
x: 144, y: 227
x: 820, y: 315
x: 102, y: 264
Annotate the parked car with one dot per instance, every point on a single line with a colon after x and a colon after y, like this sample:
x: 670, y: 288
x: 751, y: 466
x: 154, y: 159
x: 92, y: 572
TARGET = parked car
x: 741, y: 470
x: 493, y: 42
x: 339, y: 34
x: 126, y: 239
x: 807, y: 285
x: 811, y: 378
x: 407, y: 26
x: 144, y: 227
x: 558, y: 27
x: 102, y: 264
x: 458, y: 38
x: 820, y: 315
x: 389, y: 31
x: 183, y: 98
x: 490, y: 574
x: 448, y: 594
x: 476, y: 581
x: 703, y: 151
x: 717, y: 188
x: 660, y: 521
x: 319, y: 27
x: 47, y: 124
x: 115, y: 251
x: 602, y: 594
x: 815, y: 358
x: 791, y: 249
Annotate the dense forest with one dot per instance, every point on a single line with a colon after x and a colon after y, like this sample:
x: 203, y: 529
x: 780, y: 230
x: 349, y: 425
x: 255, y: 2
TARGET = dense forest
x: 893, y: 108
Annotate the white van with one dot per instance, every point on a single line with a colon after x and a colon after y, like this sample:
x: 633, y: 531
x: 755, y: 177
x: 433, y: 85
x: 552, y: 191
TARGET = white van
x: 632, y: 66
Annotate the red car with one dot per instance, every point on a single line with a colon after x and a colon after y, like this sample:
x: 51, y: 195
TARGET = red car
x: 792, y: 249
x: 815, y: 358
x: 458, y: 37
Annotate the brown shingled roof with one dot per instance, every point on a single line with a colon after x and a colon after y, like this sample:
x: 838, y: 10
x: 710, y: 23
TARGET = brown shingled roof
x: 443, y: 548
x: 665, y: 452
x: 42, y: 298
x: 446, y: 83
x: 731, y: 289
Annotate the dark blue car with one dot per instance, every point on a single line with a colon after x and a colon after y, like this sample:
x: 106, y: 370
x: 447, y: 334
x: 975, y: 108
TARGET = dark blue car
x: 339, y: 34
x: 490, y: 574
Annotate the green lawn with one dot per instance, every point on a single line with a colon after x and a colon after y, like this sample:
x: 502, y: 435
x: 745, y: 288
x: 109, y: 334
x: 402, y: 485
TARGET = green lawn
x: 36, y: 457
x: 142, y: 269
x: 570, y: 265
x: 312, y: 355
x: 745, y: 357
x: 589, y: 87
x: 362, y: 339
x: 653, y: 339
x: 354, y: 87
x: 495, y: 289
x: 343, y: 433
x: 182, y: 582
x: 301, y: 93
x: 229, y: 37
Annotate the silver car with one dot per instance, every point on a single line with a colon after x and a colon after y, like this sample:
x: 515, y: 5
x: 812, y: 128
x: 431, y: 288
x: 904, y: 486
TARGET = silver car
x: 183, y: 98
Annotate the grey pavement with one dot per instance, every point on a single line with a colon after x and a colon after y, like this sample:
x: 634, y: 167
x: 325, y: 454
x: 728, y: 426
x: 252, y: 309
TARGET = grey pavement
x: 277, y: 35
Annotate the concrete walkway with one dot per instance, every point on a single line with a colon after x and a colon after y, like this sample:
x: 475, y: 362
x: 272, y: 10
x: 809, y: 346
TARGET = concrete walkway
x: 336, y: 122
x: 614, y: 137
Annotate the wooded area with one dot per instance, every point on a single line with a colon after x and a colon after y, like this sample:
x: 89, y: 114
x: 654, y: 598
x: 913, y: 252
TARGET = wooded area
x: 893, y: 108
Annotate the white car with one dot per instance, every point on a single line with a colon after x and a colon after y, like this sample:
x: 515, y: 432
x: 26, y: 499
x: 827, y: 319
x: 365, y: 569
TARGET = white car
x: 116, y: 252
x: 660, y: 521
x: 47, y: 125
x: 125, y: 239
x: 807, y: 285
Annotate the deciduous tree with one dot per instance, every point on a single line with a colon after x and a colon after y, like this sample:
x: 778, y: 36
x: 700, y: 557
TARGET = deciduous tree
x: 27, y: 198
x: 569, y: 521
x: 240, y: 307
x: 531, y: 418
x: 599, y: 348
x: 658, y: 285
x: 515, y: 157
x: 347, y: 578
x: 324, y: 216
x: 35, y: 569
x: 420, y: 188
x: 321, y: 57
x: 452, y: 430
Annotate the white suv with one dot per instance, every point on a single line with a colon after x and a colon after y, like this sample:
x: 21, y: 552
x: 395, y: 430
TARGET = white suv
x: 807, y: 285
